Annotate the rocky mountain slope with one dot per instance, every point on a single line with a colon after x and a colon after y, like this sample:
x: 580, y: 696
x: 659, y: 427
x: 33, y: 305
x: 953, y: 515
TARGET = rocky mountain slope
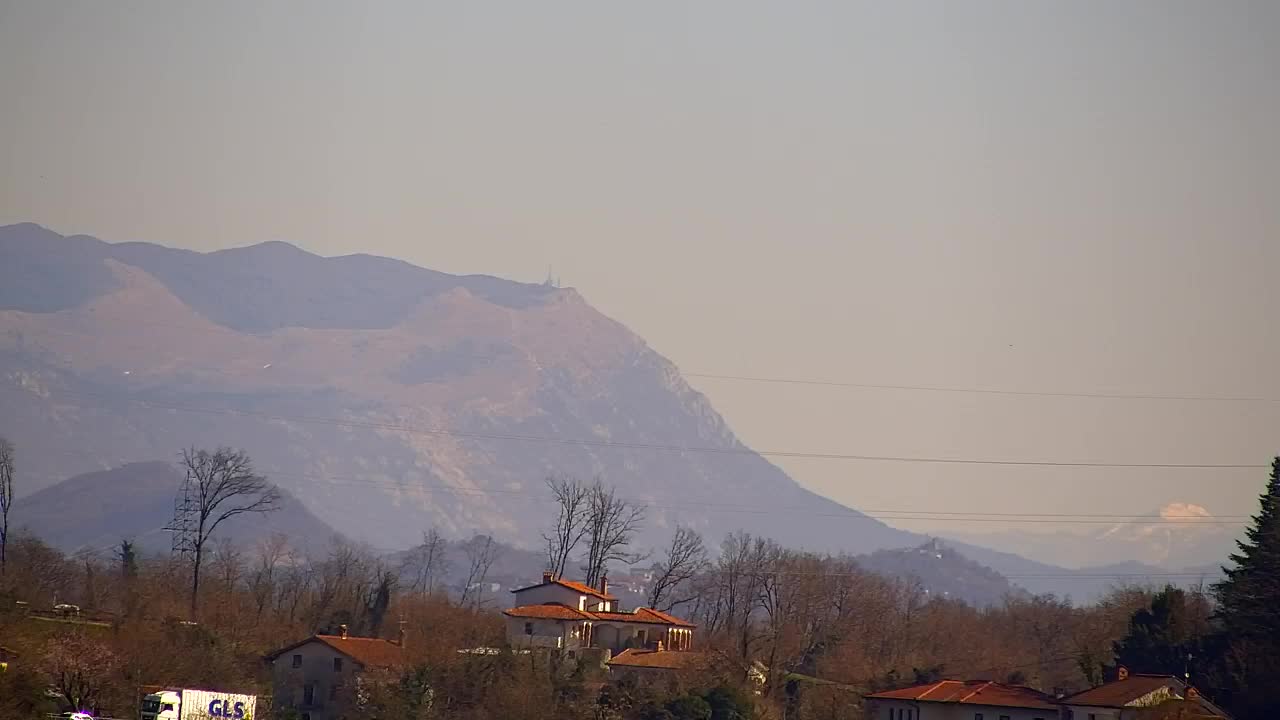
x: 386, y: 397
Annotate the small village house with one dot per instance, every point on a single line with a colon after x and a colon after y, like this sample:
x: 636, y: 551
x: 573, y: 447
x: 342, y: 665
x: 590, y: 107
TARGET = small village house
x: 319, y: 677
x: 568, y: 615
x: 1131, y: 695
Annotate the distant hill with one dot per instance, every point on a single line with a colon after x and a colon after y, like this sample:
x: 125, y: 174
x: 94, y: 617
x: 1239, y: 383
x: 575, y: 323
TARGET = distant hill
x: 943, y: 572
x: 94, y: 511
x: 512, y: 568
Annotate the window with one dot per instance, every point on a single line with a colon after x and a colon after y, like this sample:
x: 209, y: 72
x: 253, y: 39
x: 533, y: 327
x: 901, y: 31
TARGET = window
x: 528, y: 628
x: 977, y: 716
x: 582, y: 602
x: 306, y: 716
x: 334, y: 689
x: 168, y: 707
x: 308, y: 694
x: 337, y: 664
x: 297, y: 661
x: 1004, y: 717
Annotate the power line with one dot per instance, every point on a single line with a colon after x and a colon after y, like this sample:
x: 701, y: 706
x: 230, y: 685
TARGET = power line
x: 982, y: 391
x: 767, y: 379
x: 1077, y: 575
x: 613, y: 444
x: 756, y: 509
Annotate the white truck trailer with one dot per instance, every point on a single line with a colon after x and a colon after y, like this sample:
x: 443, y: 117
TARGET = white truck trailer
x: 188, y: 704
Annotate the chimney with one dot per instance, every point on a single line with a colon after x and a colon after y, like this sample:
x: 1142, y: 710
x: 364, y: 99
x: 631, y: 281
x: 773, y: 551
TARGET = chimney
x: 604, y: 584
x: 400, y: 640
x: 342, y: 630
x: 1122, y: 673
x: 546, y: 576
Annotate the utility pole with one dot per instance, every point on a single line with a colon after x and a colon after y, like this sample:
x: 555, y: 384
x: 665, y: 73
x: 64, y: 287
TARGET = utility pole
x: 183, y: 526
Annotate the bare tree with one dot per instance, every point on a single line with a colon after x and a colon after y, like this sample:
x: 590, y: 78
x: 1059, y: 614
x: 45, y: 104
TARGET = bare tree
x: 6, y: 497
x: 734, y: 589
x: 612, y: 523
x: 377, y: 598
x: 572, y: 501
x: 686, y: 557
x: 427, y: 562
x: 295, y: 584
x: 225, y: 486
x: 263, y: 580
x: 80, y: 668
x: 481, y: 552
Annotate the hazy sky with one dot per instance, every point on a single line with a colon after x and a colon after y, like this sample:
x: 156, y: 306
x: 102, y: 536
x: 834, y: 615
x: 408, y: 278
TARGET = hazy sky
x: 1076, y: 196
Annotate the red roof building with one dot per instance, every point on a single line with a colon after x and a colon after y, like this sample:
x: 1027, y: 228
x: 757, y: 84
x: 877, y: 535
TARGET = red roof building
x: 633, y: 658
x: 317, y: 676
x: 962, y: 700
x: 1131, y: 693
x: 565, y: 614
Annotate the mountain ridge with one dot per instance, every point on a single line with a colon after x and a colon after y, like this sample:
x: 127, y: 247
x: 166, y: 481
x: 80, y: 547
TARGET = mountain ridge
x: 386, y: 397
x: 483, y: 357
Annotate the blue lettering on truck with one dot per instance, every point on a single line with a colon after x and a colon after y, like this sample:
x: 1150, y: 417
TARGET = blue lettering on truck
x: 225, y: 709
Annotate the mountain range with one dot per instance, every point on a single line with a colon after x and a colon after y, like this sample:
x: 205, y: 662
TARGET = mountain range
x: 386, y: 398
x: 1175, y: 537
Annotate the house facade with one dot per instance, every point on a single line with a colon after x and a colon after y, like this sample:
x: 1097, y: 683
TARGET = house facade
x: 320, y: 676
x: 962, y: 700
x: 564, y: 614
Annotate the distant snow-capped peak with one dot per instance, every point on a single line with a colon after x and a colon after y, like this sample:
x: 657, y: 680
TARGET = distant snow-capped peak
x: 1184, y: 511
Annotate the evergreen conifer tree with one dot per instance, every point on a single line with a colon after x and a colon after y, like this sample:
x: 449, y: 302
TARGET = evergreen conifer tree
x: 1249, y: 609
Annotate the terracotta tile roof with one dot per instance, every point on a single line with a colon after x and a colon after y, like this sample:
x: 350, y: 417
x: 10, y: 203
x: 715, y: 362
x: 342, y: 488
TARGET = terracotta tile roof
x: 660, y: 659
x: 558, y: 611
x: 584, y: 589
x: 369, y: 652
x: 1122, y: 692
x: 973, y: 692
x: 643, y: 615
x: 573, y: 585
x: 664, y: 617
x: 550, y: 611
x: 1184, y: 710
